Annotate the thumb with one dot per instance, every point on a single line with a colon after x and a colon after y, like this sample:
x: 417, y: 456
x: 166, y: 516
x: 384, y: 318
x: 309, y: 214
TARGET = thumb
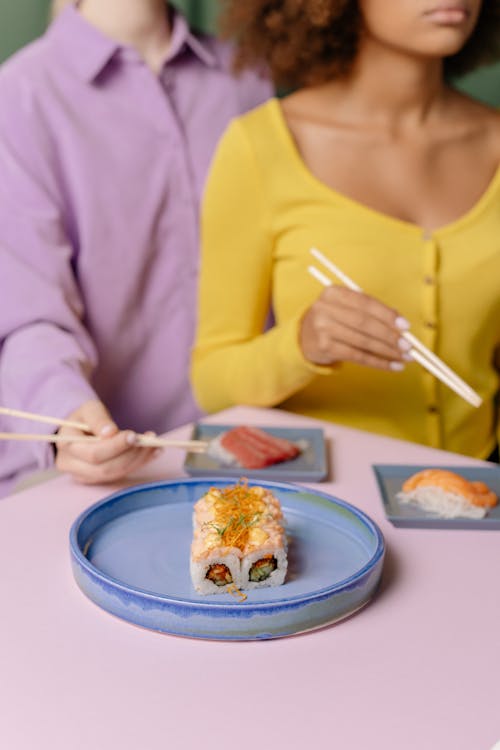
x: 97, y: 418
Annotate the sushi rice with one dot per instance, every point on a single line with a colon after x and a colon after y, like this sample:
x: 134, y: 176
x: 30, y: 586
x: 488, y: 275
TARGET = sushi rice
x: 442, y: 503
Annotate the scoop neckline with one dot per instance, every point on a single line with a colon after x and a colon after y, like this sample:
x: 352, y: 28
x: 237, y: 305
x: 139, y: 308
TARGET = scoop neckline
x: 451, y: 226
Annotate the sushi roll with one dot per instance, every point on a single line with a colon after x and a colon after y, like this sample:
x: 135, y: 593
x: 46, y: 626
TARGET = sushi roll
x: 238, y: 540
x: 215, y: 562
x: 447, y: 494
x: 264, y: 561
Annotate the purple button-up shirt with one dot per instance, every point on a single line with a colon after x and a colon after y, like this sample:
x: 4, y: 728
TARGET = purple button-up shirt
x: 102, y: 166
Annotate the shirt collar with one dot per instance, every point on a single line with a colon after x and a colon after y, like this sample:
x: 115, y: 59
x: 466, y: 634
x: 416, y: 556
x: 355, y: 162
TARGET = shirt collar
x: 183, y: 37
x: 89, y: 51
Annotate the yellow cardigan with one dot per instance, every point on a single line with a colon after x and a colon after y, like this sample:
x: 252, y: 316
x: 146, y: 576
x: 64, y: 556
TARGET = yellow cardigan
x: 263, y: 210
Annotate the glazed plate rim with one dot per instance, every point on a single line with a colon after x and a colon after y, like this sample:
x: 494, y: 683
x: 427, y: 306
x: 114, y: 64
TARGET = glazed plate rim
x: 230, y: 606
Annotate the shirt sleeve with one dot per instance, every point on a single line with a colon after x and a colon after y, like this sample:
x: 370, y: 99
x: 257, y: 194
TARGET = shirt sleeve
x: 46, y: 354
x: 235, y: 361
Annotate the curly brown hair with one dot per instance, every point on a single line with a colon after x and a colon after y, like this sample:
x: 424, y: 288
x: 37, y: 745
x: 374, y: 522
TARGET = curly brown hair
x: 307, y: 42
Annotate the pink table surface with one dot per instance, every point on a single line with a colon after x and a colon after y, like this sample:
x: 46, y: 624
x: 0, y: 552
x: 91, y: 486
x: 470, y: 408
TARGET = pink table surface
x: 418, y: 669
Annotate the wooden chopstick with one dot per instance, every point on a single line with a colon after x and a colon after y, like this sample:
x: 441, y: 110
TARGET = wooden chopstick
x: 194, y: 446
x: 52, y: 438
x: 47, y: 420
x: 419, y: 352
x: 143, y: 441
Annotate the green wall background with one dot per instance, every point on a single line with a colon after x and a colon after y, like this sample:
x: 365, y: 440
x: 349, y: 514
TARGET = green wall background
x: 20, y: 21
x: 23, y: 20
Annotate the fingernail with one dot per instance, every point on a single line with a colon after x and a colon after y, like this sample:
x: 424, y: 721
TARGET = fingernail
x: 396, y: 366
x: 132, y: 438
x: 407, y: 357
x: 401, y: 323
x: 157, y: 452
x: 107, y: 430
x: 404, y: 345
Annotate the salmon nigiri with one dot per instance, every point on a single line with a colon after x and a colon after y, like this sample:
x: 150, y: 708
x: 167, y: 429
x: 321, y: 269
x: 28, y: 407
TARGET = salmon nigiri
x: 448, y: 494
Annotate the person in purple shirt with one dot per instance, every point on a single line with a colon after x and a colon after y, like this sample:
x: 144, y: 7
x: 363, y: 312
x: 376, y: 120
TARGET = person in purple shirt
x: 107, y: 127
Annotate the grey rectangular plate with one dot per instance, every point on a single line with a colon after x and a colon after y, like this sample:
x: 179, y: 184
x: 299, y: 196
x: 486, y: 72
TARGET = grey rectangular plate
x: 390, y: 478
x: 309, y: 466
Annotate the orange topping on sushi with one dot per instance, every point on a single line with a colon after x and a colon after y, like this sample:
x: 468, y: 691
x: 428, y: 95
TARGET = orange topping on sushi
x: 236, y: 511
x: 477, y: 493
x: 231, y: 589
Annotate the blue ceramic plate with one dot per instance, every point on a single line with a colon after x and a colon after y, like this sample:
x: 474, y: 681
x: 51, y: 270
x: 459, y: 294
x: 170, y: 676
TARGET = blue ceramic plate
x: 130, y: 555
x: 390, y: 479
x: 309, y: 466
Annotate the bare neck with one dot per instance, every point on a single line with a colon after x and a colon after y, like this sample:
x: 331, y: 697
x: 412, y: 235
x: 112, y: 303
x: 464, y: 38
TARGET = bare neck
x: 393, y: 89
x: 142, y: 24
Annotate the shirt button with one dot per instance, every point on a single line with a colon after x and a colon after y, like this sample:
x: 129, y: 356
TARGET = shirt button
x: 430, y: 324
x: 429, y: 280
x: 433, y: 409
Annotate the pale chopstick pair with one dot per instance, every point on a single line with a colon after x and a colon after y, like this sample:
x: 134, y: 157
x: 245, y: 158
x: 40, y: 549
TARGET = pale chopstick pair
x: 419, y: 352
x: 143, y: 441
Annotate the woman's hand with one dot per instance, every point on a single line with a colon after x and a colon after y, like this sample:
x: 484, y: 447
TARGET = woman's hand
x: 348, y: 326
x: 107, y: 461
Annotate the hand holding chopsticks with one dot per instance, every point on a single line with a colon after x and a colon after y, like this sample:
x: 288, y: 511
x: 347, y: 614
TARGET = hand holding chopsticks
x: 417, y: 350
x: 141, y: 441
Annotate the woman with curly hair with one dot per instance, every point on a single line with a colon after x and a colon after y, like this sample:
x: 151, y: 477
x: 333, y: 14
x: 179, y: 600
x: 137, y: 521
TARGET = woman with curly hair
x: 378, y: 161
